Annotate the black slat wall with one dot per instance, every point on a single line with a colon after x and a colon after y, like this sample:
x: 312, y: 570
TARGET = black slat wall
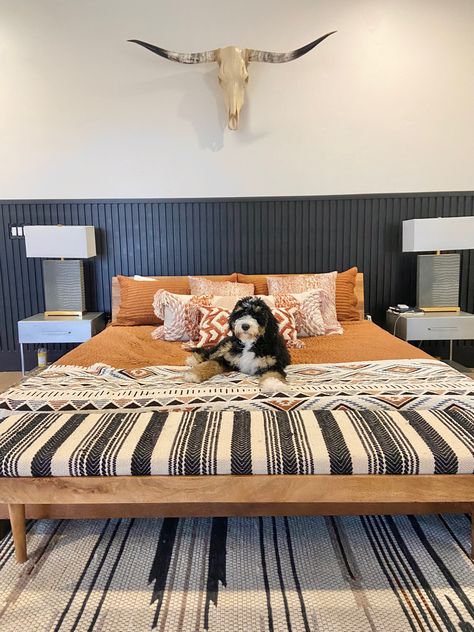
x: 225, y: 235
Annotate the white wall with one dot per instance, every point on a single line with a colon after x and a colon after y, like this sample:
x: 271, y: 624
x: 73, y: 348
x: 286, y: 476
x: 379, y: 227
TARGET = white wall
x: 385, y: 105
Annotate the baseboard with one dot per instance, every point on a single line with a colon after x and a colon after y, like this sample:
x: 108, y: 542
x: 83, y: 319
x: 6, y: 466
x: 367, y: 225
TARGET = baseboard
x: 464, y: 354
x: 463, y: 350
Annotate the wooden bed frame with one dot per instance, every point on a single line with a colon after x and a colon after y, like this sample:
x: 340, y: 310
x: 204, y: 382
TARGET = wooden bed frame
x: 229, y: 495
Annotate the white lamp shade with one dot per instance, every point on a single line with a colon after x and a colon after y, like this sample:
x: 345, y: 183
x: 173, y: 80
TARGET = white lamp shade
x: 439, y: 233
x: 65, y: 242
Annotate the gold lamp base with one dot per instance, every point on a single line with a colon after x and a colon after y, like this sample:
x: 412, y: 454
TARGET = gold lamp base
x: 440, y: 309
x: 63, y: 313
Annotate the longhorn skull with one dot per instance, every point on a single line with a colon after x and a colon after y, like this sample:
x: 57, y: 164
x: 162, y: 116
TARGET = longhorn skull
x: 233, y: 67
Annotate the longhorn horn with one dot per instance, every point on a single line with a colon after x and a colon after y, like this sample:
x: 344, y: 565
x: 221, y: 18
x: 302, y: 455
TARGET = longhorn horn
x: 182, y: 58
x: 280, y: 58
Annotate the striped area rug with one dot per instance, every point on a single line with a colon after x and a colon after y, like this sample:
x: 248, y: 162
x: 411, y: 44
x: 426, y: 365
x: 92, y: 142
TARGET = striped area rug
x: 242, y: 575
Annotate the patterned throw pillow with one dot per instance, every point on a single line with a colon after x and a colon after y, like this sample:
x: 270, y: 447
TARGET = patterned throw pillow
x: 309, y: 319
x: 201, y: 286
x: 215, y: 326
x: 180, y: 315
x: 306, y: 282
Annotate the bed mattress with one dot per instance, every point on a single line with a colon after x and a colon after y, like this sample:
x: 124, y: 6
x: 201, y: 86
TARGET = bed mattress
x: 133, y: 347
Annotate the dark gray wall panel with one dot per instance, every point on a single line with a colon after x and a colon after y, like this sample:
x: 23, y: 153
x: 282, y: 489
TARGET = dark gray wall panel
x: 221, y: 236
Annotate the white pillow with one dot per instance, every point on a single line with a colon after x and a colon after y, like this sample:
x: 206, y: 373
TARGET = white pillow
x: 137, y: 277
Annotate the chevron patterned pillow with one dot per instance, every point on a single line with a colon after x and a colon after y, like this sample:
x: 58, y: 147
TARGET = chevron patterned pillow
x: 215, y: 326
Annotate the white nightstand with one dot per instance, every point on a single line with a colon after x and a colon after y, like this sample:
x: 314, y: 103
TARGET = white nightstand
x: 38, y: 329
x: 432, y: 326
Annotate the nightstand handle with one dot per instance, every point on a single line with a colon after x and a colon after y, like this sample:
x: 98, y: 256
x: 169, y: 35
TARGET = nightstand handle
x: 57, y: 333
x: 442, y: 328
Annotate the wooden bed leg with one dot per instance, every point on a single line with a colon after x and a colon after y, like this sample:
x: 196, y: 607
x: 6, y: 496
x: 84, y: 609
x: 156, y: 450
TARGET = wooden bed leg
x: 17, y: 520
x: 472, y: 533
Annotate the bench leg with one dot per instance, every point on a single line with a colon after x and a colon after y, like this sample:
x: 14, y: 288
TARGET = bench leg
x: 472, y: 533
x: 17, y: 520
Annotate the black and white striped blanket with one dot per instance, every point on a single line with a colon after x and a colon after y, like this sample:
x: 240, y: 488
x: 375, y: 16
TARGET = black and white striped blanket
x: 202, y: 442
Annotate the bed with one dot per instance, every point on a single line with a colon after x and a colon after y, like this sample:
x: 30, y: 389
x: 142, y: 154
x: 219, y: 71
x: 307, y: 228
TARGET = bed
x: 115, y: 430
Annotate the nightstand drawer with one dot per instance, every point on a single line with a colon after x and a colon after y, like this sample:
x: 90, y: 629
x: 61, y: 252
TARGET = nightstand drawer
x: 433, y: 327
x: 441, y: 329
x: 39, y: 329
x: 56, y: 331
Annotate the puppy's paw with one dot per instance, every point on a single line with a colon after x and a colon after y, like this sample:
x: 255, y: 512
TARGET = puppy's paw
x: 193, y: 360
x: 193, y: 377
x: 272, y: 385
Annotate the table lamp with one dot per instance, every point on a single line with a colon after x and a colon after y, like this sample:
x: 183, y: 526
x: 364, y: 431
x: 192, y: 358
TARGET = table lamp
x: 437, y: 287
x: 63, y: 280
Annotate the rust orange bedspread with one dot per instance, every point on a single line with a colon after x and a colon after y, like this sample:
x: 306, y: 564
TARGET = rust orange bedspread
x: 133, y: 347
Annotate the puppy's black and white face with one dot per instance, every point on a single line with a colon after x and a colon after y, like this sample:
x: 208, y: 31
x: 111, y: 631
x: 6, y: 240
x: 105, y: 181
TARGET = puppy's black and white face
x: 249, y: 319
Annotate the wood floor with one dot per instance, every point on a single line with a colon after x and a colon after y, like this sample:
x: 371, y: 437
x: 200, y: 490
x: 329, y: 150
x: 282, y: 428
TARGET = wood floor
x: 8, y: 379
x: 463, y: 369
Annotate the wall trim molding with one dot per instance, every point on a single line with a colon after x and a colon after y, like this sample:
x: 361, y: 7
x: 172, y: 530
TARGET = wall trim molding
x: 355, y: 196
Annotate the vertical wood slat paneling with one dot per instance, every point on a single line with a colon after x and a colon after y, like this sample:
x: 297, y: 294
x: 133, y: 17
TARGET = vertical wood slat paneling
x: 222, y: 236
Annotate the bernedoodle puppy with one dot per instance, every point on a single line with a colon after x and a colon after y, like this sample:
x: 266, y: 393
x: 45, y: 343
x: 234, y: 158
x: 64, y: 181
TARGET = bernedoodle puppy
x: 255, y: 347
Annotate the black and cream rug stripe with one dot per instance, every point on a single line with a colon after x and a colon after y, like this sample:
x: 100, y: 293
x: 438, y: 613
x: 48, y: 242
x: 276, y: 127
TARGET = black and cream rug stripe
x: 351, y: 574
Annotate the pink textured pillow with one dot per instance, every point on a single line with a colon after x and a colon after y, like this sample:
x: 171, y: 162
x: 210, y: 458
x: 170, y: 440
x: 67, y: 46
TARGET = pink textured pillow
x: 305, y: 282
x: 200, y: 286
x: 215, y: 326
x: 179, y: 313
x: 309, y: 319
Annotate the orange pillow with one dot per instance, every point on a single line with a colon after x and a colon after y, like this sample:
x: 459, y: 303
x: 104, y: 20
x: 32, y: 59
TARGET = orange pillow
x: 136, y: 302
x: 136, y: 297
x: 259, y: 281
x: 346, y: 300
